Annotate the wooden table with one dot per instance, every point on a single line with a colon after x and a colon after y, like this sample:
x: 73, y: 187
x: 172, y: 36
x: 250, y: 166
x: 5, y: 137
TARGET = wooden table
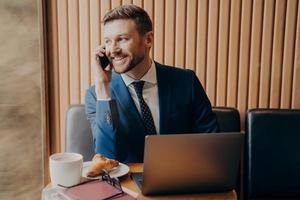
x: 138, y: 167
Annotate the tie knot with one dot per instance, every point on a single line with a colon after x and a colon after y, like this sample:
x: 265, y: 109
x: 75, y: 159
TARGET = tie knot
x: 138, y: 86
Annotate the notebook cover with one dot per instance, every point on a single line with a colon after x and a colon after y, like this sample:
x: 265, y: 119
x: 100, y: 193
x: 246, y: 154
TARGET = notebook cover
x: 94, y: 190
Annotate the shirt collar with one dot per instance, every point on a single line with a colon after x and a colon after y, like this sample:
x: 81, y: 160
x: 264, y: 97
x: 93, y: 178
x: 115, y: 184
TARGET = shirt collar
x: 149, y: 77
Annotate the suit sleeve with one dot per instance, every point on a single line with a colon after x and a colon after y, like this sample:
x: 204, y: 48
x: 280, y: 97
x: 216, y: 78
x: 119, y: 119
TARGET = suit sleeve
x: 103, y: 117
x: 205, y: 120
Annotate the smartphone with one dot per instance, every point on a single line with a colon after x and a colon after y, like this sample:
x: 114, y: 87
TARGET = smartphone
x: 104, y: 61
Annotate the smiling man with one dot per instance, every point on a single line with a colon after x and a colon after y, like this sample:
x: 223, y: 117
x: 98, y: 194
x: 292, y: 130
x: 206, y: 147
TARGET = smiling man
x: 135, y: 96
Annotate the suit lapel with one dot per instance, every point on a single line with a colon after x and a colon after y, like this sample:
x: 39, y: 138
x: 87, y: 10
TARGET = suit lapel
x: 124, y: 98
x: 164, y: 94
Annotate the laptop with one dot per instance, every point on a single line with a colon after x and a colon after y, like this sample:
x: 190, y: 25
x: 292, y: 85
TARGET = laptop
x: 190, y: 163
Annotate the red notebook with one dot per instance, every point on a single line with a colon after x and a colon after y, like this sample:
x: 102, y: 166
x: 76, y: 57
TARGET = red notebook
x: 94, y: 190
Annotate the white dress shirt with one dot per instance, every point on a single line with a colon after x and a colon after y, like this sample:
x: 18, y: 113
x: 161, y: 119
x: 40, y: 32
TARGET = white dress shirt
x: 150, y: 93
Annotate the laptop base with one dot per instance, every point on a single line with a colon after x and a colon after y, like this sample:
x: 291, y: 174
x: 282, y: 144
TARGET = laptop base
x: 138, y: 179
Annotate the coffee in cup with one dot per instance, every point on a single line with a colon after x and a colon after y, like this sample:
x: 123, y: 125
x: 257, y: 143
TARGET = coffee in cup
x: 65, y: 168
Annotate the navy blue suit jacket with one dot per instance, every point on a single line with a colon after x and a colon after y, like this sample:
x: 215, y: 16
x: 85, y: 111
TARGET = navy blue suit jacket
x: 118, y: 129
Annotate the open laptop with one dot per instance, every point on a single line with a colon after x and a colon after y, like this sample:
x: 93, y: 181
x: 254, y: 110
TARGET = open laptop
x: 190, y: 163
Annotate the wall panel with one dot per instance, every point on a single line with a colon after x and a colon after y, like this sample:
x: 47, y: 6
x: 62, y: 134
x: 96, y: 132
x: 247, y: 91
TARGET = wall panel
x: 84, y: 47
x: 222, y: 62
x: 201, y: 60
x: 212, y: 44
x: 191, y: 26
x: 234, y: 42
x: 245, y: 53
x: 138, y: 2
x: 266, y: 53
x: 115, y: 3
x: 169, y: 39
x: 180, y: 33
x: 276, y: 75
x: 149, y: 7
x: 159, y: 31
x: 74, y: 58
x: 126, y: 2
x: 63, y: 62
x: 94, y: 30
x: 289, y: 47
x: 255, y: 53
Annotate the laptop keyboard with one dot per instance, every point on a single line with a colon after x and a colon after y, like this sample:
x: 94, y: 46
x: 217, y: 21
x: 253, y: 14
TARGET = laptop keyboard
x: 138, y: 179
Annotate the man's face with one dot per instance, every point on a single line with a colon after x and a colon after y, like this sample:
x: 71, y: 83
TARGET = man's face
x: 125, y: 47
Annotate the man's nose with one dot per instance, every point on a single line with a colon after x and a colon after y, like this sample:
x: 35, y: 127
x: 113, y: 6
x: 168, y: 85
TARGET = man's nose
x: 114, y: 48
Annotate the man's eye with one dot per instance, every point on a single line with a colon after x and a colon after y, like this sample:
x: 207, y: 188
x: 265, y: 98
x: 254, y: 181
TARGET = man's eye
x: 107, y: 41
x: 123, y: 39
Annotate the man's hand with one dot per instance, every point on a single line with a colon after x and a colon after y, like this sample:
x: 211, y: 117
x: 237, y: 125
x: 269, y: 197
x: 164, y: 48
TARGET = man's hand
x: 102, y: 76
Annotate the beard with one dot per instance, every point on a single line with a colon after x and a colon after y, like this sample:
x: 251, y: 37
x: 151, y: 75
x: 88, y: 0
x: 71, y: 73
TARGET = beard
x: 133, y: 62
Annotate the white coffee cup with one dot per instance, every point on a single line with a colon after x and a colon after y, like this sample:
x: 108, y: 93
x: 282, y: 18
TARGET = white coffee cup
x: 65, y: 168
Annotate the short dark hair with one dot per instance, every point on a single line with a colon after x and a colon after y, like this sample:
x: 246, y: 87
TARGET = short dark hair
x: 130, y: 11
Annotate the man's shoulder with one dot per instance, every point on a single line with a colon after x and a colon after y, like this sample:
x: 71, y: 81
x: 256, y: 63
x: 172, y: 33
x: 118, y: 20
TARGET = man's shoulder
x: 91, y: 88
x: 90, y: 92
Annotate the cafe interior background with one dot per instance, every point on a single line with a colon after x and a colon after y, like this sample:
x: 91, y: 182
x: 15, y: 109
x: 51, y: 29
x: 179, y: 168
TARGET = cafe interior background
x: 245, y: 52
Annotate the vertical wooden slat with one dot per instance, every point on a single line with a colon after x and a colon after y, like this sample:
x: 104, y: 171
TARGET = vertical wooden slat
x: 288, y: 54
x: 159, y: 8
x: 126, y: 2
x: 115, y: 3
x: 255, y: 59
x: 53, y: 67
x: 202, y: 41
x: 296, y: 74
x: 191, y: 28
x: 266, y: 54
x: 85, y: 64
x: 104, y: 7
x: 180, y: 33
x: 234, y: 37
x: 277, y: 54
x: 63, y: 61
x: 74, y: 59
x: 149, y: 8
x: 94, y: 30
x: 245, y: 54
x: 138, y: 3
x: 212, y: 50
x: 222, y: 53
x: 169, y: 39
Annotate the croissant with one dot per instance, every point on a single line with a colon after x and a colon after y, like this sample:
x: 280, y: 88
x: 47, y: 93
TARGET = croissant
x: 99, y: 163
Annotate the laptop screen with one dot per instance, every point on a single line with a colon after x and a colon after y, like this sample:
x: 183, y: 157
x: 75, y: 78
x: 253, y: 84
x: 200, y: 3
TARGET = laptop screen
x: 191, y: 163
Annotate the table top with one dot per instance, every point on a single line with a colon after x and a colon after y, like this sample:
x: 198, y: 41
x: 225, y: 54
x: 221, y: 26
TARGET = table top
x: 127, y: 182
x: 138, y: 167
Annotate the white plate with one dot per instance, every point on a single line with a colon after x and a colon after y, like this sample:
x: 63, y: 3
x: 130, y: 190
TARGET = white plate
x: 116, y: 172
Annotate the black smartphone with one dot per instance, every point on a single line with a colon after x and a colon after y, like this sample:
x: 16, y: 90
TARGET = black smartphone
x: 104, y: 61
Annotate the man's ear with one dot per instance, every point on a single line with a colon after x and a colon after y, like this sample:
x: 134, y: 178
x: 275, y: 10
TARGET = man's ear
x: 148, y: 39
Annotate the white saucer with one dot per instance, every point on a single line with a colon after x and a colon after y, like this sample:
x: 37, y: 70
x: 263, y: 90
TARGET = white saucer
x: 116, y: 172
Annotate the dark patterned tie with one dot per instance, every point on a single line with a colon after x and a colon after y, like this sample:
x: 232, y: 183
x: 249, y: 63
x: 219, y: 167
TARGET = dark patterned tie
x: 145, y: 110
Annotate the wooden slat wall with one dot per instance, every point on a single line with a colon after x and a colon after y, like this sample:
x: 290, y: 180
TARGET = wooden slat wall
x: 266, y: 55
x: 245, y: 52
x: 234, y: 41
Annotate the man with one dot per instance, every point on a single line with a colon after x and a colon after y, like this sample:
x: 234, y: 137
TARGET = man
x: 135, y: 96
